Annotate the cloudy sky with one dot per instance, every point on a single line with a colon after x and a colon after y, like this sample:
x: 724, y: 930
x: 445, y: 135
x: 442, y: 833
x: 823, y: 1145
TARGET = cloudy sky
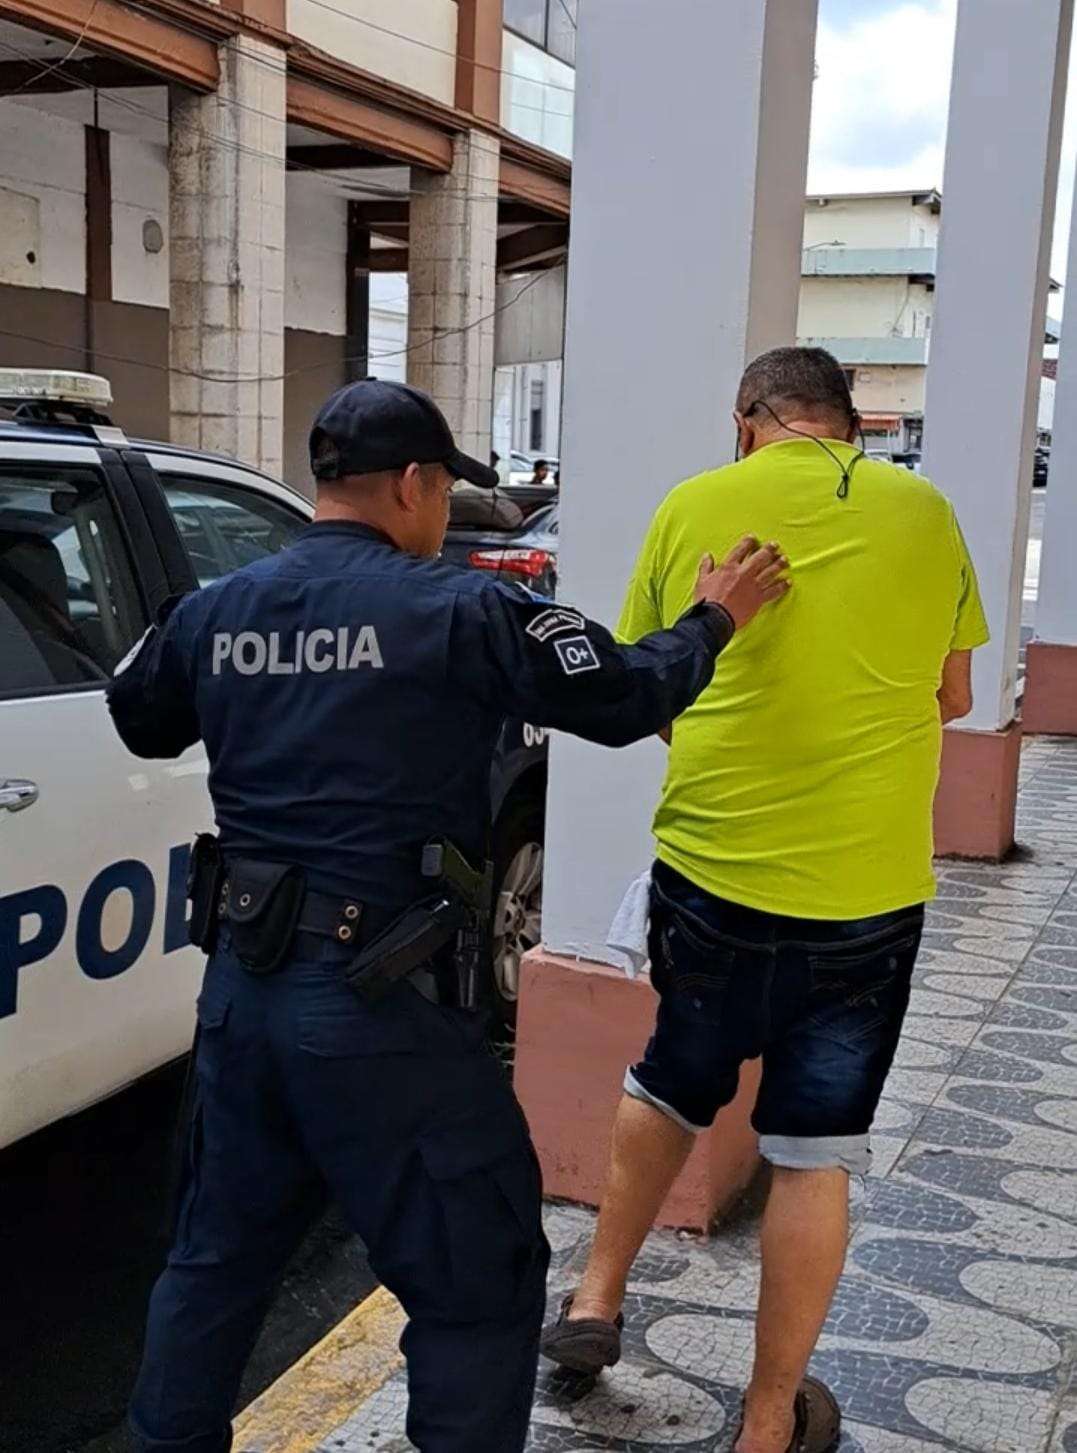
x: 879, y: 118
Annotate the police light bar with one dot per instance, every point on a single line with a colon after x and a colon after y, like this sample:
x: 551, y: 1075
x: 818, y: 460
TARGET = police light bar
x: 55, y: 385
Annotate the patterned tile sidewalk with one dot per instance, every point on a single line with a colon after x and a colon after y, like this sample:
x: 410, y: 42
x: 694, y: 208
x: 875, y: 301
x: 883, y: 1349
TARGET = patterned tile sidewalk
x: 955, y: 1326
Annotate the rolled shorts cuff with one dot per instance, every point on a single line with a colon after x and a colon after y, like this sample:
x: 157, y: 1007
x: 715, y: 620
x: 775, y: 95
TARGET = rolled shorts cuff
x: 639, y: 1092
x: 850, y: 1153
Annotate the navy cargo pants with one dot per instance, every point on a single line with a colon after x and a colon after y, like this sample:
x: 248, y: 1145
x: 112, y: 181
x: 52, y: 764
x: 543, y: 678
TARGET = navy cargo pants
x: 398, y: 1112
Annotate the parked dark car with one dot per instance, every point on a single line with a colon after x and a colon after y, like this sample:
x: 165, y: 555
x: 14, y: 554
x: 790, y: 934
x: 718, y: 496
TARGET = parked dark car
x: 910, y: 458
x: 490, y: 532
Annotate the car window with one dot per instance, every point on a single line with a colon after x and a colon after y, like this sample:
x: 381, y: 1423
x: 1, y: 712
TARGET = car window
x: 224, y: 526
x: 69, y: 602
x: 471, y: 508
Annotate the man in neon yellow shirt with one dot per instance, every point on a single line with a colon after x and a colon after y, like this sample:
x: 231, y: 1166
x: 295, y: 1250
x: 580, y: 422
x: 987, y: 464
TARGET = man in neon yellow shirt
x: 794, y: 856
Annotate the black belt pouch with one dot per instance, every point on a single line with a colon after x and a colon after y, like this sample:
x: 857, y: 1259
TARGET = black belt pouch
x: 205, y: 878
x: 264, y: 902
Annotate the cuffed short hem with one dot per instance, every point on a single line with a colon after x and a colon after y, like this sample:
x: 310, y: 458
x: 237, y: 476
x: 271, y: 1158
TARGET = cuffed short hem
x: 850, y: 1153
x: 638, y: 1092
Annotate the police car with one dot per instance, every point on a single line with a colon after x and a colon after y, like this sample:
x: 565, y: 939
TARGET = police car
x: 97, y: 979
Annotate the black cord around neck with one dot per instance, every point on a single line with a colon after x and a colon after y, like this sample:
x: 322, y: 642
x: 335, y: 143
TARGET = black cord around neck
x: 847, y: 470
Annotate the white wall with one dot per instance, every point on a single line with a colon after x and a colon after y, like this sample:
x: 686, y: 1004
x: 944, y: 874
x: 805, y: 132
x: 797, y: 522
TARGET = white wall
x: 139, y: 195
x: 411, y: 42
x: 43, y: 159
x: 315, y: 253
x: 501, y: 432
x: 530, y: 323
x: 697, y: 115
x: 1046, y: 415
x: 537, y: 95
x: 890, y: 389
x: 389, y: 325
x: 870, y: 222
x: 863, y: 307
x: 1002, y: 160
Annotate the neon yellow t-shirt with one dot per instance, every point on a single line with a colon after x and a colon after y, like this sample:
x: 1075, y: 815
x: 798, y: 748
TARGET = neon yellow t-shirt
x: 801, y: 781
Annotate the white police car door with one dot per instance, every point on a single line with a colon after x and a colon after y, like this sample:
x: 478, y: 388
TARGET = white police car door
x: 96, y: 977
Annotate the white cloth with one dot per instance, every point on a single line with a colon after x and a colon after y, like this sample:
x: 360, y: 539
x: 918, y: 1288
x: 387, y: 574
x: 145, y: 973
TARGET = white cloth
x: 627, y: 935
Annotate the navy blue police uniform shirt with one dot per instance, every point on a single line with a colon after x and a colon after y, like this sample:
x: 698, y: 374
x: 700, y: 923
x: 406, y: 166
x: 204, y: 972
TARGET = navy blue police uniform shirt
x: 350, y: 697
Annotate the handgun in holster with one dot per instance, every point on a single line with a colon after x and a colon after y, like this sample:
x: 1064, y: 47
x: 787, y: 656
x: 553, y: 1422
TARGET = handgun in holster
x: 460, y: 911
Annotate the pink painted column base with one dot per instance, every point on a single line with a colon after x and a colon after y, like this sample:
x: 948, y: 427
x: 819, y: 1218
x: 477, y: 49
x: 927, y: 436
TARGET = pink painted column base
x: 1050, y: 704
x: 580, y: 1025
x: 976, y: 802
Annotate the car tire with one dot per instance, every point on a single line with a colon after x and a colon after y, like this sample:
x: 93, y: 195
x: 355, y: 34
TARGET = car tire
x: 517, y: 914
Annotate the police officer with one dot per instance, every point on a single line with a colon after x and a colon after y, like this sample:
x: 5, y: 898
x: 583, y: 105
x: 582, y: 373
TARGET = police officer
x: 349, y: 692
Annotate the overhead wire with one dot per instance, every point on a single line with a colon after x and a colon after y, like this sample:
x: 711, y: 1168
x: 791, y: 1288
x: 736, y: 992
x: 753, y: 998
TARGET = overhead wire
x: 360, y: 189
x: 56, y: 65
x: 46, y: 69
x: 384, y: 30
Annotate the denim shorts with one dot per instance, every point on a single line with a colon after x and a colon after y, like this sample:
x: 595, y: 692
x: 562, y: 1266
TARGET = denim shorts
x: 821, y: 1001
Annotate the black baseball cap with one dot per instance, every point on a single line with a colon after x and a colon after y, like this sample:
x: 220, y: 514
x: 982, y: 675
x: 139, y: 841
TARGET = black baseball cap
x: 376, y: 424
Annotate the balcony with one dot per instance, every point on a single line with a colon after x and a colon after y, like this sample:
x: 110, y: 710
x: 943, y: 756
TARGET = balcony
x: 866, y: 351
x: 915, y: 263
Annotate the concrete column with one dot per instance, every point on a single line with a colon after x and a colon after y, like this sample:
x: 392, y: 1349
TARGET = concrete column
x: 226, y: 159
x: 1050, y: 703
x: 653, y: 356
x: 1002, y: 154
x: 452, y: 275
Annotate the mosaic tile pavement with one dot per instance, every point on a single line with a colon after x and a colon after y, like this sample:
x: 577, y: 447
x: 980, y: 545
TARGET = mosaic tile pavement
x: 955, y: 1326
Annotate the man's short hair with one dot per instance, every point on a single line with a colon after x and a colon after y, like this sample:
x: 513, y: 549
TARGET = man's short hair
x: 797, y: 383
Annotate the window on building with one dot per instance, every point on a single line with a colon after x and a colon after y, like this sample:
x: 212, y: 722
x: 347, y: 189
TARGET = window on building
x: 549, y: 23
x: 527, y: 18
x: 850, y: 377
x: 537, y: 414
x: 561, y: 30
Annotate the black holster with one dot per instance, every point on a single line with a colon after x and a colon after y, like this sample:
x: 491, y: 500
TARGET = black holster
x: 410, y: 942
x: 458, y: 914
x: 205, y: 879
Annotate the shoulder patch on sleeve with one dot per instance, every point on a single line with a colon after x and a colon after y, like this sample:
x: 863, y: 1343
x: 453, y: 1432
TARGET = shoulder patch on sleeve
x: 577, y: 654
x: 552, y: 622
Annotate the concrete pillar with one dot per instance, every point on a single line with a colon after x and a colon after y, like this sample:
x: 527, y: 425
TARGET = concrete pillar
x: 226, y: 160
x: 452, y: 275
x: 1002, y: 154
x: 654, y: 352
x: 1050, y: 703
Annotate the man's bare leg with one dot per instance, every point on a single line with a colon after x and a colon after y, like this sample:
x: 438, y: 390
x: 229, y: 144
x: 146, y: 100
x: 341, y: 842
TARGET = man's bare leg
x: 805, y: 1233
x: 648, y: 1152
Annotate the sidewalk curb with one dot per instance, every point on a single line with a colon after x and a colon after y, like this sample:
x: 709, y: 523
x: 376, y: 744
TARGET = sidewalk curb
x: 326, y: 1386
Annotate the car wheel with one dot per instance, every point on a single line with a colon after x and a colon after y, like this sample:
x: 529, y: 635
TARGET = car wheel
x: 517, y: 915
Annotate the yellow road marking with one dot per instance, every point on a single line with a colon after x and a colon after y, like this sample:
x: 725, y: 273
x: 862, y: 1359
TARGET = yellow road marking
x: 324, y: 1388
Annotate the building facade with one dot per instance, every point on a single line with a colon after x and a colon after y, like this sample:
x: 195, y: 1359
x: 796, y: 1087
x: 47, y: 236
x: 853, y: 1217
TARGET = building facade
x: 231, y: 209
x: 868, y: 296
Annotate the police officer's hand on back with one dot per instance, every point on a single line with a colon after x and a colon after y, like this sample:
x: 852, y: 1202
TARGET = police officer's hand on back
x: 750, y: 577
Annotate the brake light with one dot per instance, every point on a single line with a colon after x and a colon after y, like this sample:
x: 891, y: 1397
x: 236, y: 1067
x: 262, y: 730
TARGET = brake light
x: 529, y: 563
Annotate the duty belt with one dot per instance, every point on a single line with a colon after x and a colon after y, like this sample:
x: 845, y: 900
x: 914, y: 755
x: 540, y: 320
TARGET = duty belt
x: 272, y: 915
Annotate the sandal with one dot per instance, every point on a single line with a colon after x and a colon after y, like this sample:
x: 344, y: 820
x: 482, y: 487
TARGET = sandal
x: 817, y: 1428
x: 586, y: 1345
